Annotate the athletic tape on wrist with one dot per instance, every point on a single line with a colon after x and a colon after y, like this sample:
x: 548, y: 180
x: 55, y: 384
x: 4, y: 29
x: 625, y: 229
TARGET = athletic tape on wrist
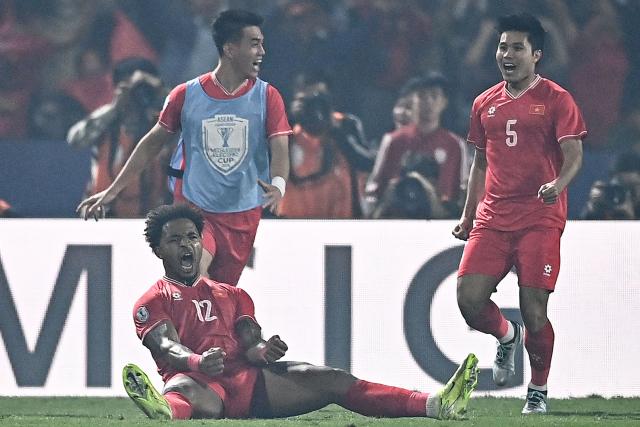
x: 194, y: 362
x: 280, y: 183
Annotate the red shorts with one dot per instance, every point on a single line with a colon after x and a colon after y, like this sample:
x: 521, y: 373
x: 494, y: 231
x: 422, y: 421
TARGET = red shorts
x: 534, y: 252
x: 229, y: 238
x: 235, y: 390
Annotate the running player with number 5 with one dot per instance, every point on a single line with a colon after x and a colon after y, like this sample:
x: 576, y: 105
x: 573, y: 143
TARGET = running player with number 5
x: 527, y: 132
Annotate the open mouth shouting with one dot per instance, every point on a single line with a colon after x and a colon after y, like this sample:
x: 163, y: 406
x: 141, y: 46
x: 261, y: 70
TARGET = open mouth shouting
x: 187, y: 260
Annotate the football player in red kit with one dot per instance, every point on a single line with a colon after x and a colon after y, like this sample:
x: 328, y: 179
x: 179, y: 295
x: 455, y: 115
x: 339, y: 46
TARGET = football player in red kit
x: 527, y: 133
x: 209, y: 350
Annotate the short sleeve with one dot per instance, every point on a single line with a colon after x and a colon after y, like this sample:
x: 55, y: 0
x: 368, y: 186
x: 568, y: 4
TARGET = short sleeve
x: 172, y: 109
x: 568, y: 118
x: 277, y: 121
x: 244, y: 305
x: 476, y: 134
x: 148, y: 311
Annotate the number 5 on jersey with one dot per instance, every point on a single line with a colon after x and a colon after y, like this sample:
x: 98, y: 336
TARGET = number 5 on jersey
x: 512, y: 135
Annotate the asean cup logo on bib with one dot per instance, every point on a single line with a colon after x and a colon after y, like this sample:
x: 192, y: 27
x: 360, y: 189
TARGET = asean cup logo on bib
x: 225, y: 141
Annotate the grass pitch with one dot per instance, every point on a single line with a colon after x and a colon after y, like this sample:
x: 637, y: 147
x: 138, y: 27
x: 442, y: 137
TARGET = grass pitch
x: 483, y: 411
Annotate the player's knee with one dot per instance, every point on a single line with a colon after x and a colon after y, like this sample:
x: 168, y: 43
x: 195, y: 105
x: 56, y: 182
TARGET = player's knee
x: 467, y: 304
x: 534, y: 320
x: 184, y: 388
x: 329, y: 380
x: 204, y: 402
x: 337, y: 381
x: 534, y: 315
x: 213, y: 410
x: 471, y: 296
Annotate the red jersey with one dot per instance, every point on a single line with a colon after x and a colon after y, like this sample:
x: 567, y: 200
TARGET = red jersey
x: 445, y: 147
x: 203, y: 314
x: 521, y: 136
x: 277, y: 122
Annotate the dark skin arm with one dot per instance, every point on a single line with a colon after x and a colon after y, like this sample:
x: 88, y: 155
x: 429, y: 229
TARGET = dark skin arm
x: 163, y: 341
x: 258, y: 351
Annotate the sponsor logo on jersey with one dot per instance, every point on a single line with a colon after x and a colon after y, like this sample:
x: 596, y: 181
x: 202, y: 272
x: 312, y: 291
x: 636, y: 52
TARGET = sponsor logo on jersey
x: 547, y: 270
x: 177, y: 296
x: 225, y: 140
x: 492, y: 111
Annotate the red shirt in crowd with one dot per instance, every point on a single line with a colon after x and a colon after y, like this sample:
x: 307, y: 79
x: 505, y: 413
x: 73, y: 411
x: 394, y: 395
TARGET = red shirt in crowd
x: 445, y: 147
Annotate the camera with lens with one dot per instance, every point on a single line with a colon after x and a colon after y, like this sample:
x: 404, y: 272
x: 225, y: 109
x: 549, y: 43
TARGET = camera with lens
x: 412, y: 191
x: 312, y: 111
x: 614, y: 194
x: 144, y: 95
x: 413, y: 195
x: 607, y: 200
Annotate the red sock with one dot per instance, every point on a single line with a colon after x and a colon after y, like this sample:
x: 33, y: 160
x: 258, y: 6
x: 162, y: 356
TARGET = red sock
x: 180, y: 406
x: 539, y: 345
x: 490, y: 321
x: 381, y: 400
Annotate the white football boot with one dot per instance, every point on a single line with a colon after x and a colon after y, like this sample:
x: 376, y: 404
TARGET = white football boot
x: 504, y: 365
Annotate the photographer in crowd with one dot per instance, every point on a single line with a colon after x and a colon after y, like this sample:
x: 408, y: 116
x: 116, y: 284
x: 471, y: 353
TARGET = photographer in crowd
x: 329, y: 157
x: 424, y: 136
x: 112, y: 131
x: 413, y: 195
x: 618, y: 198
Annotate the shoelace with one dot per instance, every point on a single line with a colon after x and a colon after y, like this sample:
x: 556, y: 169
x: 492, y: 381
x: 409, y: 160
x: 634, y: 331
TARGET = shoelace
x: 473, y: 379
x: 535, y: 398
x: 134, y: 380
x: 502, y: 352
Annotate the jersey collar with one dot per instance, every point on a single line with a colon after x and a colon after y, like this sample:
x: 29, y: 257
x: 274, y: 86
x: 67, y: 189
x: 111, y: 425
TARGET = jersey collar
x: 177, y: 283
x: 226, y: 92
x: 533, y: 84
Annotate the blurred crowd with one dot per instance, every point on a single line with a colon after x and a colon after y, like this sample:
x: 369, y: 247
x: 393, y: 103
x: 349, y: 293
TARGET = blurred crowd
x: 365, y: 83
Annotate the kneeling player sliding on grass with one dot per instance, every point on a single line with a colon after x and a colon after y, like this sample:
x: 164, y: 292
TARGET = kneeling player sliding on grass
x: 209, y: 350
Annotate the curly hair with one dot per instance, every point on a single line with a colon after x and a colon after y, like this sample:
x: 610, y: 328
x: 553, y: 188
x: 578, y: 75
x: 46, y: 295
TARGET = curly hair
x: 158, y: 217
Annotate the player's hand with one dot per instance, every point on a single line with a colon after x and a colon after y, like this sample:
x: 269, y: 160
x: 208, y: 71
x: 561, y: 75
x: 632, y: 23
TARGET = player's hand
x: 275, y: 349
x: 212, y: 362
x: 94, y: 206
x: 462, y: 229
x: 272, y: 196
x: 549, y: 192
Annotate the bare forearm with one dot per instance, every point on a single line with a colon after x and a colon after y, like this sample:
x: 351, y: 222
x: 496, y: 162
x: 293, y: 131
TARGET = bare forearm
x: 572, y: 152
x: 250, y: 339
x: 163, y: 342
x: 147, y: 149
x: 279, y: 156
x: 475, y: 188
x: 177, y: 355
